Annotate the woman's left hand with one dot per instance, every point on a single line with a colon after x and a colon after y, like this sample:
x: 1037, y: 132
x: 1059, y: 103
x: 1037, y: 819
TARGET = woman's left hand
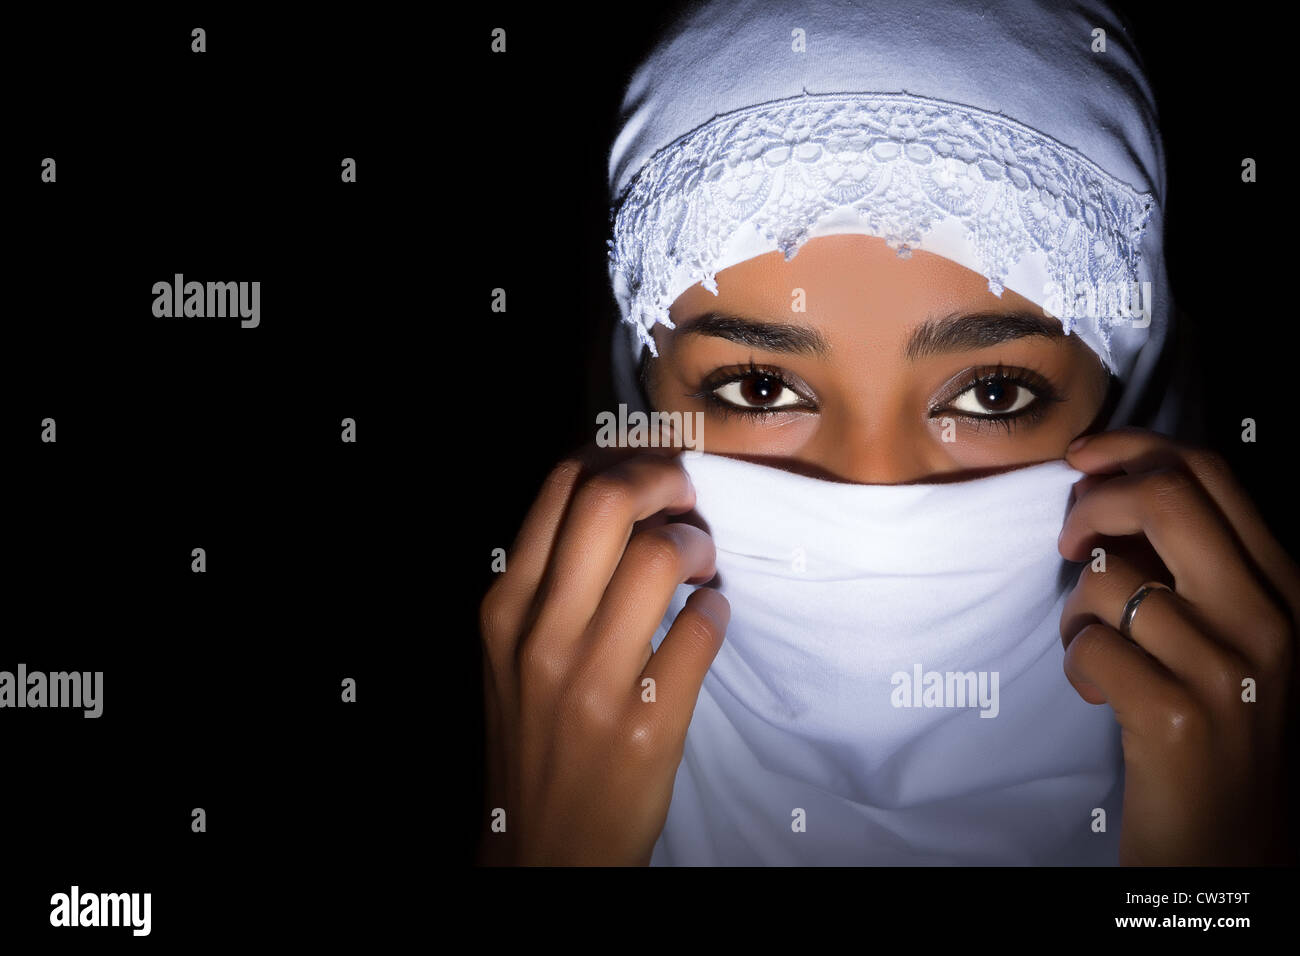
x: 1201, y: 690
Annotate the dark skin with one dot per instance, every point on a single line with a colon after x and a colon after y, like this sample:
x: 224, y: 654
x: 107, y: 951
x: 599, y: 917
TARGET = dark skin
x: 897, y: 370
x: 880, y: 362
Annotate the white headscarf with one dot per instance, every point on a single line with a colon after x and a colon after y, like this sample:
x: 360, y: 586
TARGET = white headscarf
x: 849, y: 716
x: 998, y: 134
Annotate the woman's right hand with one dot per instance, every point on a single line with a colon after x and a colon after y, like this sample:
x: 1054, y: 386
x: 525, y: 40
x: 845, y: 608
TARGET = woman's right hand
x: 579, y: 758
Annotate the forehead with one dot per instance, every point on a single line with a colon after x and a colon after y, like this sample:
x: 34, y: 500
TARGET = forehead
x: 848, y: 285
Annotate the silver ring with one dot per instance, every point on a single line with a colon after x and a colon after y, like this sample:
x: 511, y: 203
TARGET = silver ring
x: 1130, y: 609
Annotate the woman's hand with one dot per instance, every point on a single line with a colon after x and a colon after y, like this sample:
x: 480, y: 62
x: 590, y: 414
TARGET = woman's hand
x: 582, y: 763
x: 1205, y: 770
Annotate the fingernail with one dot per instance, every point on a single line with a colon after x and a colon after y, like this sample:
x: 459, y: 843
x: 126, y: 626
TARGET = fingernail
x: 1077, y: 443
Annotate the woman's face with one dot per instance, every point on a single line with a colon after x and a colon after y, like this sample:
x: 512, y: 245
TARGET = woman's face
x: 850, y: 363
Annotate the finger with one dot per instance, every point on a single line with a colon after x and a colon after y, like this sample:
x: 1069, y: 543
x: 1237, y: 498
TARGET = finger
x: 1164, y: 626
x: 1188, y: 533
x: 1133, y: 548
x: 1134, y: 450
x: 1084, y: 485
x: 684, y: 657
x: 510, y: 597
x: 1136, y: 551
x: 1106, y: 669
x: 590, y: 544
x: 657, y: 560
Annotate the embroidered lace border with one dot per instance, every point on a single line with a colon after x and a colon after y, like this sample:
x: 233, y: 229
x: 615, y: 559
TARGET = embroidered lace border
x: 903, y: 162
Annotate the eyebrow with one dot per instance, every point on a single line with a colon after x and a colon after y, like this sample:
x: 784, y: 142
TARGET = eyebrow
x: 964, y: 331
x: 769, y: 336
x: 956, y: 332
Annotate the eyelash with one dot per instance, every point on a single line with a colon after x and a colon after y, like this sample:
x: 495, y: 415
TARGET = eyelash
x: 1045, y: 394
x: 737, y: 373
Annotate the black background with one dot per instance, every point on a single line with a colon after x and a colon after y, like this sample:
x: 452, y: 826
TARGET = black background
x: 221, y: 690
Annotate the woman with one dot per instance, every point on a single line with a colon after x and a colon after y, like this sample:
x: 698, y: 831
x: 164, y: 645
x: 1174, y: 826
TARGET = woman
x: 904, y: 263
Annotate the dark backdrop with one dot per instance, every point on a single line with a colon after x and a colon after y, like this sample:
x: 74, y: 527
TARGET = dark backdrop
x: 221, y: 690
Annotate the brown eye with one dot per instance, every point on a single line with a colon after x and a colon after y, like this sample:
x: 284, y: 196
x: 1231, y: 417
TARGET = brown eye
x: 994, y: 396
x: 758, y: 390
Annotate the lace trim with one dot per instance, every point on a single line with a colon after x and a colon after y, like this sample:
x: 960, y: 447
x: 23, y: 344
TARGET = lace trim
x: 903, y: 162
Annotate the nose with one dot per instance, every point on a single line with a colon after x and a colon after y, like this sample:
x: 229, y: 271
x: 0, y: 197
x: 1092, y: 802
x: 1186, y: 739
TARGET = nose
x: 885, y: 449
